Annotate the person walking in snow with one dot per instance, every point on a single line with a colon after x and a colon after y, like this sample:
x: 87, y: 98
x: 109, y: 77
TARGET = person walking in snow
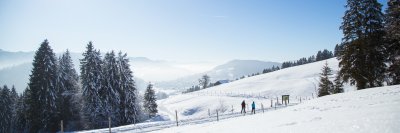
x: 243, y: 107
x: 253, y: 108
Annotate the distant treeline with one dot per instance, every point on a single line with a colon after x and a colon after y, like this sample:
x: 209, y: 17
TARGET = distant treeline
x: 321, y: 55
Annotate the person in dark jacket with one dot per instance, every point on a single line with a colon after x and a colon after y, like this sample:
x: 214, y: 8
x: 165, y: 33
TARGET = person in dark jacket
x: 253, y: 108
x: 243, y: 107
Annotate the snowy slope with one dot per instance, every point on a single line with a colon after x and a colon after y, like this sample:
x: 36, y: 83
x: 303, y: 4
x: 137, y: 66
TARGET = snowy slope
x: 371, y: 110
x: 300, y: 81
x: 374, y: 110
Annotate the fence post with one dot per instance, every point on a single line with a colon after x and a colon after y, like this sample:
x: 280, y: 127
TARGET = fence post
x: 275, y: 106
x: 232, y: 109
x: 300, y: 99
x: 176, y: 116
x: 217, y: 115
x: 271, y: 103
x: 62, y: 126
x: 277, y: 100
x: 262, y: 107
x: 109, y: 124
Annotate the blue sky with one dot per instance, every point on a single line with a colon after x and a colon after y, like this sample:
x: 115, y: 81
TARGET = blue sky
x: 177, y: 30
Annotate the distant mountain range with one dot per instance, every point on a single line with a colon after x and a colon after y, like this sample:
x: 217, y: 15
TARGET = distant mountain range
x: 229, y: 71
x: 15, y: 69
x: 9, y: 59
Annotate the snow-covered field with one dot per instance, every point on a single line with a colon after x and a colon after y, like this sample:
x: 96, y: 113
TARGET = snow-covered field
x: 374, y: 110
x: 371, y: 110
x: 300, y: 81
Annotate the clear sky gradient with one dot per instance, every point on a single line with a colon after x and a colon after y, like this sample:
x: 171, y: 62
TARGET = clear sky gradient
x: 176, y: 30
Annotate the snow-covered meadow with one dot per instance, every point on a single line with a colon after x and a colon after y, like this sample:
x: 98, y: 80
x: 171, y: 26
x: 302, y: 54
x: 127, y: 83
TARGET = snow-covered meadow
x: 370, y: 110
x: 374, y: 110
x: 300, y: 81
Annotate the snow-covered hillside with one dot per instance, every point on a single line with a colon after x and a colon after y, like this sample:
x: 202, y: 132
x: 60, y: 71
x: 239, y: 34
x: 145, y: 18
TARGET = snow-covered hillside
x: 374, y: 110
x: 300, y: 81
x: 370, y: 110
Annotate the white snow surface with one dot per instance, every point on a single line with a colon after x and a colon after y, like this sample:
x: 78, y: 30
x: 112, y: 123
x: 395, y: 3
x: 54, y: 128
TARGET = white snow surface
x: 300, y: 81
x: 374, y: 110
x: 370, y: 110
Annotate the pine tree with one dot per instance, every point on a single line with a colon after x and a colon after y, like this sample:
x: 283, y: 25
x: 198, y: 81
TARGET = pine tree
x: 91, y: 77
x: 5, y: 110
x: 150, y: 104
x: 110, y: 91
x: 362, y: 58
x: 42, y: 110
x: 21, y: 113
x: 393, y: 40
x: 14, y: 101
x: 68, y: 88
x: 325, y: 84
x: 338, y: 87
x: 319, y: 56
x: 129, y: 104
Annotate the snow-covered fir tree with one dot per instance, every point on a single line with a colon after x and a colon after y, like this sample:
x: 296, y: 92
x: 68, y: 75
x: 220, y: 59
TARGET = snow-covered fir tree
x: 91, y: 77
x: 110, y: 90
x: 68, y: 88
x: 21, y: 113
x: 129, y: 104
x: 392, y: 28
x: 14, y: 101
x: 362, y: 60
x: 42, y: 109
x: 325, y: 85
x: 5, y: 110
x: 150, y: 105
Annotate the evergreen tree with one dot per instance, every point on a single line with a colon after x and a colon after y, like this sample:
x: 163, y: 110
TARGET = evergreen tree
x: 42, y: 109
x: 129, y: 104
x: 5, y: 110
x: 311, y: 59
x: 205, y: 81
x: 14, y: 101
x: 325, y: 84
x: 110, y: 91
x: 21, y: 113
x: 91, y: 77
x: 393, y: 40
x: 150, y: 104
x: 319, y: 56
x: 338, y: 49
x: 362, y: 59
x: 338, y: 87
x: 196, y: 88
x: 68, y: 88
